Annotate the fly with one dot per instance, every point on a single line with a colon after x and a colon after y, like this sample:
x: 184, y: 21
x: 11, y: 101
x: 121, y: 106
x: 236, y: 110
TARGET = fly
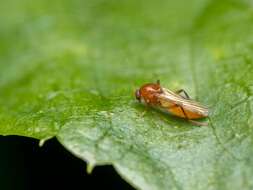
x: 176, y: 103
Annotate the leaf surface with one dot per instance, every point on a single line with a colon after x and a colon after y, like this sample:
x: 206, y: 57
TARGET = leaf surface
x: 70, y: 68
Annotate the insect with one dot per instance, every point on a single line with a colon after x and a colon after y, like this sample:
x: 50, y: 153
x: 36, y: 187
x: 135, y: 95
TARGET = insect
x: 176, y: 103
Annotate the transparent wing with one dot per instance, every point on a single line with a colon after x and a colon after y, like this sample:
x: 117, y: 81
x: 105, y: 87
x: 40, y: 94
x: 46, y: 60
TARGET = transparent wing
x: 169, y: 98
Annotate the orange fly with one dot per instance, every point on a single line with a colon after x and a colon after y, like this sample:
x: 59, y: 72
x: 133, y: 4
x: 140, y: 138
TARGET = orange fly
x: 177, y: 103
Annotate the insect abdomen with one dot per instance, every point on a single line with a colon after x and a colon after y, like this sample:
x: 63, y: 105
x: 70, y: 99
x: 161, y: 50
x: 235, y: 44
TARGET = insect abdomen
x: 178, y: 111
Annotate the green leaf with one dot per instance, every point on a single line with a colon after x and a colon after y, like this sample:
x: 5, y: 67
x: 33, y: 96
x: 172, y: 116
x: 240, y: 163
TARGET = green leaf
x: 70, y: 68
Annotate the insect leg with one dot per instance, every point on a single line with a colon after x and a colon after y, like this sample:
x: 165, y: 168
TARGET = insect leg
x: 184, y: 95
x: 143, y: 113
x: 160, y: 89
x: 192, y: 121
x: 184, y: 113
x: 199, y: 123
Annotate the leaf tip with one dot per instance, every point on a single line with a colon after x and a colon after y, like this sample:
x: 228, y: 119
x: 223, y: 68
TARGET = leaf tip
x: 90, y: 167
x: 42, y: 141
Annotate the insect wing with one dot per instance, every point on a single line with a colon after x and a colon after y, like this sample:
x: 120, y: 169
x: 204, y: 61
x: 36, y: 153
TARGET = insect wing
x: 168, y: 99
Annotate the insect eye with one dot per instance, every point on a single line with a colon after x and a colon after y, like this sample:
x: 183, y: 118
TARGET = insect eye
x: 137, y: 95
